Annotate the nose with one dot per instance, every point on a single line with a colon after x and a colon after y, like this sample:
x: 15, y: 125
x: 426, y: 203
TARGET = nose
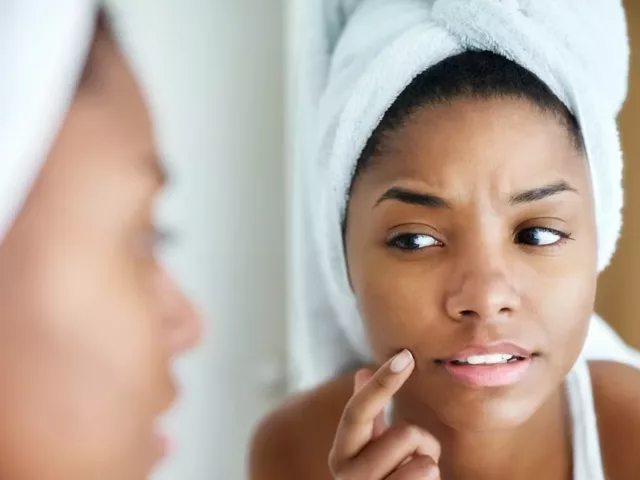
x: 482, y: 288
x: 183, y: 320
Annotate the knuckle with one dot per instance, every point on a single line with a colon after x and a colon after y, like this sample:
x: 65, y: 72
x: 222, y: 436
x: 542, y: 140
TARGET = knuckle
x: 345, y: 469
x: 339, y: 468
x: 382, y: 382
x: 334, y: 462
x: 426, y: 464
x: 423, y: 442
x: 437, y: 449
x: 421, y: 467
x: 410, y: 433
x: 429, y: 445
x: 343, y: 473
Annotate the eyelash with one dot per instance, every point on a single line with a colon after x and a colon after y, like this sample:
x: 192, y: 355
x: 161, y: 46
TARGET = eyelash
x: 563, y: 237
x: 154, y: 240
x: 394, y: 242
x: 164, y: 237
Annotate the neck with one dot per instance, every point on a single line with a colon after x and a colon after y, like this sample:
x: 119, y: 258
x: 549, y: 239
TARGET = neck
x: 538, y: 448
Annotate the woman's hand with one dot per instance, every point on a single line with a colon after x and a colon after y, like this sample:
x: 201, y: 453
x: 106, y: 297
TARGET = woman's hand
x: 364, y: 448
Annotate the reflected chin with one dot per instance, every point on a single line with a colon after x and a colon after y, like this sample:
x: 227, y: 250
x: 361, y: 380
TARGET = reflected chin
x: 161, y: 446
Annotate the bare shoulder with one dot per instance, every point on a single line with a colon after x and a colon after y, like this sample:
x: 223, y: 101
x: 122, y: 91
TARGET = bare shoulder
x: 294, y: 440
x: 616, y: 389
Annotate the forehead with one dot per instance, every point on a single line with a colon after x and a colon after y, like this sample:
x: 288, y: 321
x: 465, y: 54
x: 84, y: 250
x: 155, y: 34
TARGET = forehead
x: 471, y: 139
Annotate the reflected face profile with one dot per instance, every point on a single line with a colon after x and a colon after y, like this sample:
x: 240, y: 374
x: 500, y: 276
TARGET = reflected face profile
x: 473, y: 224
x: 91, y: 321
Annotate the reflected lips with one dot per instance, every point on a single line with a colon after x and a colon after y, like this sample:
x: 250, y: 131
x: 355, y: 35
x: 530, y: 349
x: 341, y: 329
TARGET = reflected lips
x: 162, y: 445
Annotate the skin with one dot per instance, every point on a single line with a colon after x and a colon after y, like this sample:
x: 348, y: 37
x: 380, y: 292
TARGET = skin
x: 494, y: 264
x: 91, y: 321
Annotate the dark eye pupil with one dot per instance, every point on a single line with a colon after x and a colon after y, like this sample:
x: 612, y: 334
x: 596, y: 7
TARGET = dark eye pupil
x: 408, y: 242
x: 530, y: 236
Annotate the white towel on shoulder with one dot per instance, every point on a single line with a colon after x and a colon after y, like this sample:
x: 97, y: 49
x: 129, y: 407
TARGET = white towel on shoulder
x: 367, y: 52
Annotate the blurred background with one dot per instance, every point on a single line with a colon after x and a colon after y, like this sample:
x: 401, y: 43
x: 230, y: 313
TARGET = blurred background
x: 214, y: 73
x: 223, y: 82
x: 618, y: 298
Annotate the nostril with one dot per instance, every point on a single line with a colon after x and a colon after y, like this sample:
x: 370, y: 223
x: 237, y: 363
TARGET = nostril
x: 466, y: 313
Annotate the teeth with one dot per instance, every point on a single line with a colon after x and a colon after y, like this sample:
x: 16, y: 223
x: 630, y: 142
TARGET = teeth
x: 487, y: 359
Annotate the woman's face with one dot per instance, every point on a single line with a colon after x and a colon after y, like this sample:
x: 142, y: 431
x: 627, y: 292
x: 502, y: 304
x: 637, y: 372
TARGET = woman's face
x: 90, y: 320
x: 472, y: 227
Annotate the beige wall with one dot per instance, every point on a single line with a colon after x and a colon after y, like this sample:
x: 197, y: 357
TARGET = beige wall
x: 619, y: 289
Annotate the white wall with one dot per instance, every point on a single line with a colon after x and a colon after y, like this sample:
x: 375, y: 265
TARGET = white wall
x: 214, y: 73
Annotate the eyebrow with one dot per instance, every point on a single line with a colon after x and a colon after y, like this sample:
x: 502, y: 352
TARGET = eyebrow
x: 430, y: 200
x: 413, y: 198
x: 540, y: 193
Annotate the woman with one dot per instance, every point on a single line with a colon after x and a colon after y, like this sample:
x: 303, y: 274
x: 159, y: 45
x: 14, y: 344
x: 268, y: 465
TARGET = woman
x: 472, y: 238
x: 90, y: 320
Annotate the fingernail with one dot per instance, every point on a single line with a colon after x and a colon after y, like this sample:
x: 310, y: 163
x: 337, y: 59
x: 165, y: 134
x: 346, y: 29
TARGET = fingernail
x: 401, y: 361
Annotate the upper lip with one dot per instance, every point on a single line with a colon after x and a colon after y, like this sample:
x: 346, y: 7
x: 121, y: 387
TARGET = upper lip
x: 171, y: 397
x: 507, y: 348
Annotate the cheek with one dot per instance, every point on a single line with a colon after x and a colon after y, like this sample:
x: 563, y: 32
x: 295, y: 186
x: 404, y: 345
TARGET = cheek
x: 563, y: 307
x: 85, y: 360
x: 400, y: 306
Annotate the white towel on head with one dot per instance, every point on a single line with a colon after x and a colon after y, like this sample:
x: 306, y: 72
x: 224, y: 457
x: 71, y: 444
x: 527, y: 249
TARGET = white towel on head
x: 43, y: 47
x: 373, y: 49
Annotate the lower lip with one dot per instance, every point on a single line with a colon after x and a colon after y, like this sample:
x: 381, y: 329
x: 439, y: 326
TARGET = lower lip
x: 498, y: 375
x: 162, y: 446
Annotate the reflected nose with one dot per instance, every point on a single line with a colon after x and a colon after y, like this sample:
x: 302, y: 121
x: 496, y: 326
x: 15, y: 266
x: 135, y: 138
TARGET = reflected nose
x: 482, y: 289
x: 183, y: 319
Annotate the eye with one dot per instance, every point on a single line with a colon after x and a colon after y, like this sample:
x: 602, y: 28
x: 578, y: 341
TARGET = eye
x: 163, y: 238
x: 413, y: 241
x: 541, y: 237
x: 153, y: 240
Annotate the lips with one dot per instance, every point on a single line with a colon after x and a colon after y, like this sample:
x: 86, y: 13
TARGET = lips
x: 161, y: 442
x: 496, y: 365
x: 494, y: 350
x: 161, y: 446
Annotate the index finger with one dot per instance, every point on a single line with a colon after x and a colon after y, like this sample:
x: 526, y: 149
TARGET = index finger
x: 379, y: 423
x: 356, y: 425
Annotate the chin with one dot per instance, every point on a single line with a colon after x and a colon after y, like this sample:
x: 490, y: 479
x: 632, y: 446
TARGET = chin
x: 489, y: 413
x: 462, y: 408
